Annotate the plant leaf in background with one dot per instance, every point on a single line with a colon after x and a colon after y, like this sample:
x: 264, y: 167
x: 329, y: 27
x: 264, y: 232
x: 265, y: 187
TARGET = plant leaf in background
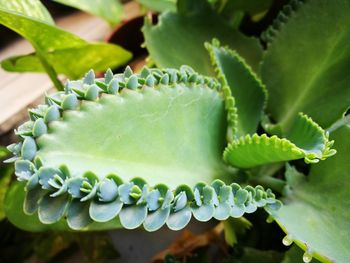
x: 57, y: 50
x: 5, y: 178
x: 315, y: 214
x: 179, y: 38
x: 109, y: 10
x: 32, y: 8
x: 159, y: 5
x: 249, y: 93
x: 306, y: 69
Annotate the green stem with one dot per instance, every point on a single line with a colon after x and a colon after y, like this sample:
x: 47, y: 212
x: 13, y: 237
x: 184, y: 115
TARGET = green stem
x: 50, y: 71
x: 339, y: 123
x: 275, y: 184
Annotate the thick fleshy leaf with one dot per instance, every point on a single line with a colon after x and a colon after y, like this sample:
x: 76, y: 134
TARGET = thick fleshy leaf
x: 305, y: 68
x: 51, y: 209
x: 133, y: 216
x: 323, y: 201
x: 156, y: 219
x: 306, y: 140
x: 105, y: 211
x: 187, y: 150
x: 179, y: 219
x: 78, y: 215
x: 14, y: 211
x: 248, y: 91
x: 184, y: 32
x: 57, y: 47
x: 32, y: 197
x: 179, y: 164
x: 109, y: 10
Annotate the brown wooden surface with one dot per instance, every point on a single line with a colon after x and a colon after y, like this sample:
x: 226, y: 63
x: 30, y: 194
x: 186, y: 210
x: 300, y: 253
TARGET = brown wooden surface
x: 20, y: 90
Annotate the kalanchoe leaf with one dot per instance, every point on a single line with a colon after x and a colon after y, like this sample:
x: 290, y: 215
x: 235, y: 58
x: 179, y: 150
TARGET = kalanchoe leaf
x: 128, y: 72
x: 156, y: 219
x: 113, y: 86
x: 69, y: 159
x: 92, y: 92
x: 51, y: 209
x: 46, y: 174
x: 32, y: 198
x: 74, y: 185
x: 33, y: 182
x: 24, y: 169
x: 29, y: 149
x: 247, y: 89
x: 70, y: 102
x: 108, y: 77
x: 150, y: 81
x: 52, y: 114
x: 78, y: 215
x: 132, y: 217
x: 107, y: 190
x: 132, y: 82
x: 105, y: 211
x: 145, y: 72
x: 25, y: 129
x: 180, y: 219
x: 89, y: 77
x: 124, y: 193
x: 306, y: 140
x: 39, y: 128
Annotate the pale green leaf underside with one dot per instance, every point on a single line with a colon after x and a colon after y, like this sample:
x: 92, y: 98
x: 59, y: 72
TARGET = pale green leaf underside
x: 179, y: 39
x: 110, y: 10
x: 172, y: 135
x: 306, y: 140
x: 249, y: 93
x: 323, y: 201
x: 306, y: 68
x: 61, y: 48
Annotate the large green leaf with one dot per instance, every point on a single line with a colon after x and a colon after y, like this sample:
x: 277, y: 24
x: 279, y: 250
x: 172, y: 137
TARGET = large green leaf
x: 316, y: 211
x: 58, y: 48
x: 249, y: 93
x: 110, y: 10
x: 144, y: 147
x: 306, y: 67
x: 179, y: 38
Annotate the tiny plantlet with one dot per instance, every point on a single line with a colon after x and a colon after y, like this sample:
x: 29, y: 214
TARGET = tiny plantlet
x: 216, y: 128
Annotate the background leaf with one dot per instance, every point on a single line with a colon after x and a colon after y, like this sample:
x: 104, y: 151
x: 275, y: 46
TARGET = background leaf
x: 30, y: 8
x: 306, y: 68
x: 109, y: 10
x: 159, y: 5
x: 249, y: 93
x: 179, y: 38
x: 62, y: 50
x: 316, y: 211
